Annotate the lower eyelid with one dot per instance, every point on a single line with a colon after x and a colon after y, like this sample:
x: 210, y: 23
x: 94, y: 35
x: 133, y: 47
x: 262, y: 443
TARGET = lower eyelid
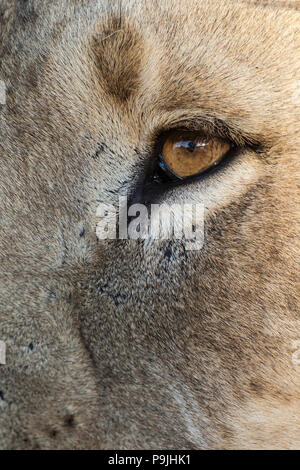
x: 153, y: 191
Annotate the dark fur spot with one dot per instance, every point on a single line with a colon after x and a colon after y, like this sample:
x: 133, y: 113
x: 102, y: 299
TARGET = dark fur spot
x: 118, y: 52
x: 256, y: 387
x: 32, y: 76
x: 226, y: 433
x: 168, y: 253
x: 52, y: 295
x: 70, y: 421
x: 26, y: 13
x: 100, y: 149
x: 1, y: 395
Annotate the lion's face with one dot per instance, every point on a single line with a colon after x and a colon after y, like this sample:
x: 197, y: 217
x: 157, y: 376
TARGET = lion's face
x: 147, y: 344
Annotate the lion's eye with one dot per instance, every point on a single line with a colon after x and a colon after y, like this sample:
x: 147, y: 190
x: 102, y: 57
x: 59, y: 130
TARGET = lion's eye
x: 185, y: 154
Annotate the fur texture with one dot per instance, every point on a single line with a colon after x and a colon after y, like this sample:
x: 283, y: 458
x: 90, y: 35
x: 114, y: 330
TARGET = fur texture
x: 125, y: 344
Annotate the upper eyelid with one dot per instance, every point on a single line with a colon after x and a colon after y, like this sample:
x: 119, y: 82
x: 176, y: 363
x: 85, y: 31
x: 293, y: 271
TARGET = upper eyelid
x: 213, y: 127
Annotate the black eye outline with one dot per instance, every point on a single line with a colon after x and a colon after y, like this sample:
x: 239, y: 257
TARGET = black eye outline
x: 162, y: 174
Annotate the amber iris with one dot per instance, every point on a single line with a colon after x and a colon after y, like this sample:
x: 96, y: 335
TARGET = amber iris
x: 188, y: 153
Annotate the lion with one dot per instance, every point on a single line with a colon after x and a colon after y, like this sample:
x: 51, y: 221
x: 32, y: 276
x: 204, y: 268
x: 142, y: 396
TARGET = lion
x: 142, y: 343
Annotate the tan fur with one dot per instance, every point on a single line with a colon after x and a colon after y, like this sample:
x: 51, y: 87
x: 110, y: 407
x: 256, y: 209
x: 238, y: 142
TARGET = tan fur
x: 122, y: 344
